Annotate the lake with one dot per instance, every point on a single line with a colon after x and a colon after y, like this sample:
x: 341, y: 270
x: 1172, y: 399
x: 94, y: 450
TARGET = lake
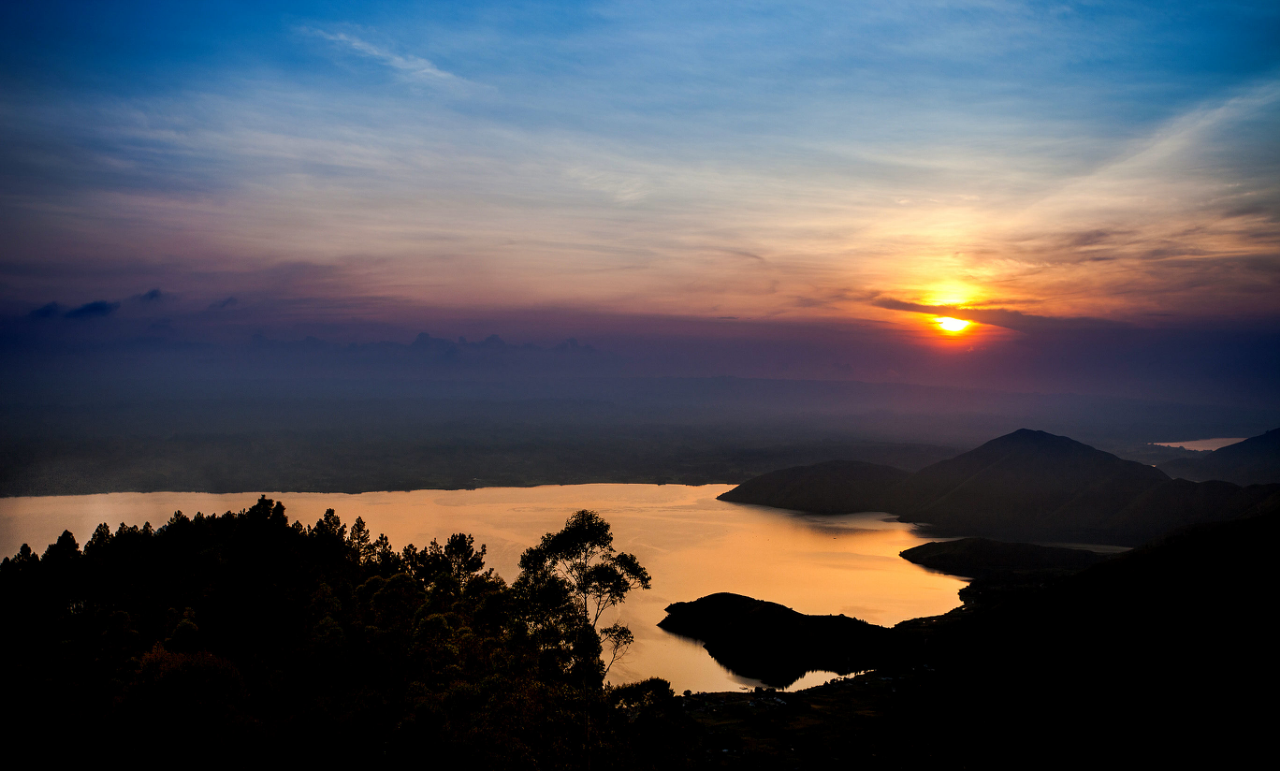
x: 692, y: 544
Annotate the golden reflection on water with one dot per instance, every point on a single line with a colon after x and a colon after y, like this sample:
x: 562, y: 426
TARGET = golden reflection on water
x: 692, y: 545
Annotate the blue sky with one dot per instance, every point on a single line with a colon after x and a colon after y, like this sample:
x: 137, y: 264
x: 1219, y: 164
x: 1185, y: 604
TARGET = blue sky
x: 880, y: 163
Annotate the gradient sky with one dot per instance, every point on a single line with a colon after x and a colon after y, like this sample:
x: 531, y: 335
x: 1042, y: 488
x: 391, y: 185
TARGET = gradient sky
x: 383, y: 167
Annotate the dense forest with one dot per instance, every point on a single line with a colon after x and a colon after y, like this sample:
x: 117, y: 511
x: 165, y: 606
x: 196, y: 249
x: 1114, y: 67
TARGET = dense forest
x: 211, y: 636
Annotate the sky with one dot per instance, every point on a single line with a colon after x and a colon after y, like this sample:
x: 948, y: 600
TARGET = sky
x: 1094, y: 186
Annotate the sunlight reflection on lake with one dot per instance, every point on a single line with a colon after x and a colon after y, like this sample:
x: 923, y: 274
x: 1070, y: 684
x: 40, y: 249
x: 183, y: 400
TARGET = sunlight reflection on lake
x: 692, y: 544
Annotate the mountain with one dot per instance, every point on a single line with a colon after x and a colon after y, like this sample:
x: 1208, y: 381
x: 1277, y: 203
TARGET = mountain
x: 825, y: 488
x: 1027, y: 485
x: 1253, y: 461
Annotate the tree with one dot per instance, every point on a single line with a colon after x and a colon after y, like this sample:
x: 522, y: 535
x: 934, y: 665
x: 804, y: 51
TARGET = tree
x: 598, y: 578
x: 619, y: 638
x: 101, y: 537
x: 330, y: 526
x: 458, y: 558
x: 360, y: 542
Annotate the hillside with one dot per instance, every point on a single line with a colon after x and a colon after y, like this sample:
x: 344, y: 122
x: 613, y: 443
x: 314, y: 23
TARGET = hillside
x: 1254, y: 461
x: 1024, y: 486
x: 1178, y: 502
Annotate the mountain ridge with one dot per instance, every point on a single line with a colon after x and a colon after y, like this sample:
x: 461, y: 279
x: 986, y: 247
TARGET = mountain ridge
x: 1256, y: 460
x: 1026, y: 485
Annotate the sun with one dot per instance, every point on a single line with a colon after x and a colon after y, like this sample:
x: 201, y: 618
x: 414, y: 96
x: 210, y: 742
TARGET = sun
x: 949, y: 324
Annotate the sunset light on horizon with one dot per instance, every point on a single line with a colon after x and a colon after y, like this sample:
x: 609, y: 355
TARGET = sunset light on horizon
x: 949, y: 324
x: 362, y: 173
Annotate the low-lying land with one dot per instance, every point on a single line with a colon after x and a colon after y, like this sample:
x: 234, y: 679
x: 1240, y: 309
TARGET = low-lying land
x: 439, y: 451
x: 976, y: 557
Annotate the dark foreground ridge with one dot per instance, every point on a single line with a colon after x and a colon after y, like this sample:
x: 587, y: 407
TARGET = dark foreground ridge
x: 775, y: 644
x: 1027, y: 485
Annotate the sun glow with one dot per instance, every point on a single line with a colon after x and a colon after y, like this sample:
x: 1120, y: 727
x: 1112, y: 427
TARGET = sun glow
x: 949, y: 324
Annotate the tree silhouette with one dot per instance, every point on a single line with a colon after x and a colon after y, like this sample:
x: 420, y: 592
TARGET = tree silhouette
x: 251, y: 633
x: 458, y: 558
x: 618, y: 638
x: 581, y: 555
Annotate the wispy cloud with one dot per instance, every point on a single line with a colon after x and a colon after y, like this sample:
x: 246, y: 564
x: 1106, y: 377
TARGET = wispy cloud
x: 407, y: 65
x: 660, y: 158
x: 1001, y: 317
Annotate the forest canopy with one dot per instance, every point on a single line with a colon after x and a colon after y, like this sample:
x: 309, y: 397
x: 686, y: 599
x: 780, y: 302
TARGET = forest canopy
x: 219, y: 634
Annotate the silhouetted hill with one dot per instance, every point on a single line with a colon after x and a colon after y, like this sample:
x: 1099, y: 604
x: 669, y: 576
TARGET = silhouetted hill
x: 1254, y: 461
x: 836, y: 487
x: 1027, y: 485
x: 978, y: 556
x: 773, y: 643
x: 1178, y: 502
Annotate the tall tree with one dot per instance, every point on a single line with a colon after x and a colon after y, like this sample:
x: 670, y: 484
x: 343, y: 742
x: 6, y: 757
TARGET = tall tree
x: 597, y: 576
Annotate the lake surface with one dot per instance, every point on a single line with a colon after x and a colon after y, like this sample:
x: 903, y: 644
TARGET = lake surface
x: 1204, y: 445
x: 692, y: 544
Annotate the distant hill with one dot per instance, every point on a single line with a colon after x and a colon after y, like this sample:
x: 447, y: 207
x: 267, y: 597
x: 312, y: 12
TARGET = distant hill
x: 1027, y: 485
x: 826, y: 488
x: 1251, y: 462
x: 1180, y: 502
